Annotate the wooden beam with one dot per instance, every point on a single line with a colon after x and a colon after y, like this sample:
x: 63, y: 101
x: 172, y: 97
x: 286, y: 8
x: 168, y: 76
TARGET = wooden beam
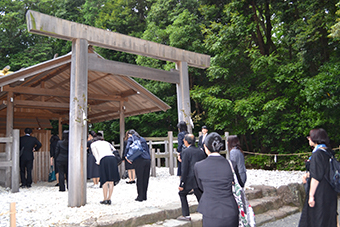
x: 33, y: 70
x: 59, y: 93
x: 46, y: 25
x: 125, y: 69
x: 40, y: 105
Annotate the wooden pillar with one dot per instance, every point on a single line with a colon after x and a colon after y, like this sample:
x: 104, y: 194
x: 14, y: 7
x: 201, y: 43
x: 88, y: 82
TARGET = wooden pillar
x: 78, y: 124
x: 153, y: 160
x: 9, y: 132
x: 60, y: 128
x: 15, y: 161
x: 122, y: 135
x: 183, y: 94
x: 171, y: 154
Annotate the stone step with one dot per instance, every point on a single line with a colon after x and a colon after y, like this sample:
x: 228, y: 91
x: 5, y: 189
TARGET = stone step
x: 273, y: 215
x: 264, y: 204
x: 196, y: 221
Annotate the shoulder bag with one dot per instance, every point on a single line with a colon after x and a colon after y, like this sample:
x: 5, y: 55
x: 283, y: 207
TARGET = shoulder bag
x: 135, y: 150
x: 246, y: 213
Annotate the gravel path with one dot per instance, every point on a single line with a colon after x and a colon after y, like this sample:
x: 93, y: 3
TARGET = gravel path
x: 44, y: 205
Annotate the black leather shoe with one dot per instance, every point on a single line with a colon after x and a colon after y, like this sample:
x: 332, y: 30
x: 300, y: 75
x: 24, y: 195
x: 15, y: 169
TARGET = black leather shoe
x: 56, y: 185
x: 103, y: 202
x: 108, y: 202
x: 22, y: 186
x: 28, y: 186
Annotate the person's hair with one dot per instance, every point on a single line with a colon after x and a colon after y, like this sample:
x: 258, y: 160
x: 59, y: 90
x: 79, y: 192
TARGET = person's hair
x: 233, y: 141
x: 126, y: 137
x: 133, y: 132
x: 190, y: 138
x: 319, y: 136
x: 99, y: 134
x: 65, y: 135
x: 98, y: 138
x: 54, y: 138
x: 213, y: 142
x: 182, y: 126
x: 93, y: 134
x: 28, y: 130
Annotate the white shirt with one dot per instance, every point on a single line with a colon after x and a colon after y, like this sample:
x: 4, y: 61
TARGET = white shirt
x: 100, y: 149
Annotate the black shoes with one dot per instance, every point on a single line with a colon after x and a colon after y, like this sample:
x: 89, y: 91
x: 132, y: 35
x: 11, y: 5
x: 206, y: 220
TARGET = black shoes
x: 22, y: 186
x: 139, y: 200
x: 131, y: 182
x: 56, y: 185
x: 106, y: 202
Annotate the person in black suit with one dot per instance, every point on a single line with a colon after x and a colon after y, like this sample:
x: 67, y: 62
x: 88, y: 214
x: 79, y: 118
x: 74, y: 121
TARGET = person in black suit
x: 61, y: 156
x: 189, y: 157
x: 202, y: 137
x: 214, y: 177
x: 28, y: 144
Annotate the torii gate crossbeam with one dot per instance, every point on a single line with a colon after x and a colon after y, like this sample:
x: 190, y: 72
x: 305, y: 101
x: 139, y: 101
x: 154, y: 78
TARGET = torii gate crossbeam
x: 82, y: 36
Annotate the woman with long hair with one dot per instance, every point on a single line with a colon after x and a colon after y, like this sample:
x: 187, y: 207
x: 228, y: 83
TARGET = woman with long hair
x: 128, y: 166
x: 320, y: 207
x: 237, y: 155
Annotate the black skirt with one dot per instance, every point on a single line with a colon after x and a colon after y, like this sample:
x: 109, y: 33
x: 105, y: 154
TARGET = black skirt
x: 92, y: 167
x: 128, y: 165
x: 108, y: 170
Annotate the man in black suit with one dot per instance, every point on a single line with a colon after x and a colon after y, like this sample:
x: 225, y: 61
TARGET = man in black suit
x: 189, y: 157
x: 28, y: 145
x: 202, y: 137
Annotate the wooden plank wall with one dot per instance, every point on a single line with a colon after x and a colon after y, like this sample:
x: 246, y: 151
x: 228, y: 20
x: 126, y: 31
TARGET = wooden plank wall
x: 41, y: 163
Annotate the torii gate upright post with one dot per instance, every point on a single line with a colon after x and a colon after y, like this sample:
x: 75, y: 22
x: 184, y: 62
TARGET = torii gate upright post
x: 83, y: 35
x: 78, y: 124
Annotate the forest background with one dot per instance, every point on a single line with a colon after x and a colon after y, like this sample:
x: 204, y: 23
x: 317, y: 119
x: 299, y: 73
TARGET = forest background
x: 274, y: 71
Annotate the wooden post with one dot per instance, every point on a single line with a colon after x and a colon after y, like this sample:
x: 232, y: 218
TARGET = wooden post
x: 153, y: 162
x: 183, y: 95
x: 122, y: 135
x: 78, y: 124
x: 171, y: 148
x: 12, y: 212
x: 158, y: 159
x: 15, y: 161
x: 60, y: 128
x: 9, y: 129
x: 226, y: 135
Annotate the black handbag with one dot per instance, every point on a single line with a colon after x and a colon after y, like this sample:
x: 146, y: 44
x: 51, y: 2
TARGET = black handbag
x: 117, y: 155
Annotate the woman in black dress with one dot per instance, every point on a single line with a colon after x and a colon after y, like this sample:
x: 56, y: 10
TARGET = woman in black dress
x: 320, y: 208
x: 92, y: 167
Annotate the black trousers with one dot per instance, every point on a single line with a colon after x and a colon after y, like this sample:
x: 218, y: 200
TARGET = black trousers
x: 184, y: 201
x: 26, y: 166
x: 63, y: 170
x: 142, y: 168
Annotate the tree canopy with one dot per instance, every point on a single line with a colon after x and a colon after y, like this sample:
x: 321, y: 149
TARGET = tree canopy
x: 274, y: 68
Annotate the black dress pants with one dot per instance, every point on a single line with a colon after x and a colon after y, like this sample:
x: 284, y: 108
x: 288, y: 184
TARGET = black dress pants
x: 63, y: 170
x: 26, y: 166
x: 184, y: 201
x: 142, y: 168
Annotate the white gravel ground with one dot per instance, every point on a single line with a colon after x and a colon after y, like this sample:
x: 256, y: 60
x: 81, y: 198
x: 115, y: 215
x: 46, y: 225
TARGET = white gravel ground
x: 44, y: 205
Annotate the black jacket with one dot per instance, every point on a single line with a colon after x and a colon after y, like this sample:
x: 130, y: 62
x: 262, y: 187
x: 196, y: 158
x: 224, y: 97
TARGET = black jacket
x: 190, y: 156
x: 27, y: 143
x: 61, y: 151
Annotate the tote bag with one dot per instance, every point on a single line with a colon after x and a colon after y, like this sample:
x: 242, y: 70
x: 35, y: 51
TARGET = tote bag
x: 135, y: 150
x: 51, y: 175
x: 246, y: 213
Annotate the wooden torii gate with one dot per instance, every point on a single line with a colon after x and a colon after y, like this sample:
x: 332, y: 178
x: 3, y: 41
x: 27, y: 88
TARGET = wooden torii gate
x: 82, y: 36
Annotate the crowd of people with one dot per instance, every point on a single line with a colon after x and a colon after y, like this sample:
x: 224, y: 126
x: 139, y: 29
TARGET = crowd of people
x: 202, y: 171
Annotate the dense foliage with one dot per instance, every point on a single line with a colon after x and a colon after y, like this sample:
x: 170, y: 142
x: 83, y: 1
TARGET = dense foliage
x: 274, y: 71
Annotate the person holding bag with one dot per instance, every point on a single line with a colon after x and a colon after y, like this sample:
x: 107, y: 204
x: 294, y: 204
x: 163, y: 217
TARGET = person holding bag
x: 320, y: 207
x: 215, y: 178
x: 141, y: 163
